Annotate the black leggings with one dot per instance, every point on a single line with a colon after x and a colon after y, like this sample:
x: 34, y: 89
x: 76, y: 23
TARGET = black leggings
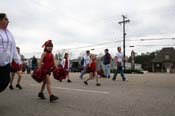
x: 4, y: 76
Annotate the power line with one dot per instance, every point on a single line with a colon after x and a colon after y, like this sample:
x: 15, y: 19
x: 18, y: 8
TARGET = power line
x: 118, y: 41
x: 95, y: 45
x: 152, y: 39
x: 146, y: 45
x: 136, y: 46
x: 153, y: 45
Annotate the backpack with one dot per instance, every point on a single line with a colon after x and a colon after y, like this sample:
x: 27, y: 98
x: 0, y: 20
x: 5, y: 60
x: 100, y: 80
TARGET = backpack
x: 82, y: 62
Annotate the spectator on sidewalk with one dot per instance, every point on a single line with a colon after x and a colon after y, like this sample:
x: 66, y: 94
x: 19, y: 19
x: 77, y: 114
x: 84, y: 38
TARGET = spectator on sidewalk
x: 107, y: 63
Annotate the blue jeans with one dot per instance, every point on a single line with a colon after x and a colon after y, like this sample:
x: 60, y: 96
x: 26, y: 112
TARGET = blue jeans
x: 107, y: 69
x: 83, y: 72
x: 121, y: 73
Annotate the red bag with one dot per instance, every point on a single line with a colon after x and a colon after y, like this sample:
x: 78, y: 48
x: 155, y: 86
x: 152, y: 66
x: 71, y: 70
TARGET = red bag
x: 38, y: 75
x: 59, y: 73
x: 15, y: 66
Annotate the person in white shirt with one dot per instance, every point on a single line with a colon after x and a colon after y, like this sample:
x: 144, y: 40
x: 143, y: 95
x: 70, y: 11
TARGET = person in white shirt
x: 119, y: 65
x: 7, y: 52
x: 86, y: 61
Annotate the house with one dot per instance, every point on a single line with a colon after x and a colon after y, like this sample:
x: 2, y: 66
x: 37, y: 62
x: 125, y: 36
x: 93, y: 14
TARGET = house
x: 164, y: 60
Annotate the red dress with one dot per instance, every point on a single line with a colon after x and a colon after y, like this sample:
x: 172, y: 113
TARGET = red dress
x: 91, y: 67
x: 48, y: 61
x: 48, y: 65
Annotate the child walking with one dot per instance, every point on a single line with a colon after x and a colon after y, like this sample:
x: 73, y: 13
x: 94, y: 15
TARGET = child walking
x: 47, y: 64
x: 15, y: 69
x: 65, y: 65
x: 91, y: 69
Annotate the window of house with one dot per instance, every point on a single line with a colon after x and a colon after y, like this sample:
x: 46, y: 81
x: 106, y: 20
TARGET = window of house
x: 167, y: 57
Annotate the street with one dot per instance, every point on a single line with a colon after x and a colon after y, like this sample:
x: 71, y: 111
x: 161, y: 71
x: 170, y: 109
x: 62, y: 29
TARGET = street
x: 142, y: 95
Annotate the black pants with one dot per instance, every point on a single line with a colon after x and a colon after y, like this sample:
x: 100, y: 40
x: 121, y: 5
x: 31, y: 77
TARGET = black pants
x: 4, y: 76
x: 119, y: 70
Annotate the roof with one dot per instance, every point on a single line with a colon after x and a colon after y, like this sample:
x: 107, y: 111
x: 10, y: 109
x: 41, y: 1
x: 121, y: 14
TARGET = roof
x: 165, y: 55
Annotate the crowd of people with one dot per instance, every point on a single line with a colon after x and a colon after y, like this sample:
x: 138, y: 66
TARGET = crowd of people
x: 12, y: 62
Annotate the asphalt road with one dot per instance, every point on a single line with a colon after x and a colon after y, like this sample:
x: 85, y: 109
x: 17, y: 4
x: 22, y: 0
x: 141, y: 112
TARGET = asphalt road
x: 141, y: 95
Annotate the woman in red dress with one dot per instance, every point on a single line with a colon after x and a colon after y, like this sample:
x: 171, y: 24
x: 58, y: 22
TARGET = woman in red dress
x: 91, y: 69
x: 47, y: 64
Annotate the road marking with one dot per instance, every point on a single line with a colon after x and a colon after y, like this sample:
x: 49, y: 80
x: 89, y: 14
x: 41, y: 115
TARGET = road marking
x: 82, y: 90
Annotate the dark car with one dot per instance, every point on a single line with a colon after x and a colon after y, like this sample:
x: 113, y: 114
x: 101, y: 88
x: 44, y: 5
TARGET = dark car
x: 75, y: 67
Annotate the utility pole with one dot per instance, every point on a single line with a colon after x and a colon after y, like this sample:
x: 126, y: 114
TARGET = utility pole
x: 125, y: 20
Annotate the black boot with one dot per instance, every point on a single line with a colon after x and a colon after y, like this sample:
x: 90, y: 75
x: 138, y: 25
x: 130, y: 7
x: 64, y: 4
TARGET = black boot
x: 11, y: 87
x: 18, y: 86
x: 41, y: 95
x: 69, y: 81
x: 85, y: 82
x: 53, y: 98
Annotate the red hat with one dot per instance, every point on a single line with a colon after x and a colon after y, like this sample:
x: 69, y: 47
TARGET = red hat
x: 47, y: 43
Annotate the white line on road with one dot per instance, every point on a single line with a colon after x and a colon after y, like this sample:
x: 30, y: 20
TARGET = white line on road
x: 82, y: 90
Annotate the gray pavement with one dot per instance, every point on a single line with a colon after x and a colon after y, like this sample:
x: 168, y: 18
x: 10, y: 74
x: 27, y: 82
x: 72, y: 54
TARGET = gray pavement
x: 142, y: 95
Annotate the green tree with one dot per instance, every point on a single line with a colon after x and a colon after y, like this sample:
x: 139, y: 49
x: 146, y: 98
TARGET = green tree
x: 145, y: 59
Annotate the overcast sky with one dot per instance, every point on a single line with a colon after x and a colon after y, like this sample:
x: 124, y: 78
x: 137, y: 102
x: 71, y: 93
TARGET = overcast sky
x: 80, y: 23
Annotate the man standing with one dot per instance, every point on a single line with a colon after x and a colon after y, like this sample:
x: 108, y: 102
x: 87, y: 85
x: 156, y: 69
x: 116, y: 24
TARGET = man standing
x: 106, y: 62
x: 86, y: 61
x: 119, y: 64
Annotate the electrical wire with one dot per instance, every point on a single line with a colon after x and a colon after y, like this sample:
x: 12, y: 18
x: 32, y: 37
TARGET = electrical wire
x: 112, y: 42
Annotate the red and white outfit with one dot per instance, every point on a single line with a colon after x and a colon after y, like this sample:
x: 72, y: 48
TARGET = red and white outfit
x: 65, y: 65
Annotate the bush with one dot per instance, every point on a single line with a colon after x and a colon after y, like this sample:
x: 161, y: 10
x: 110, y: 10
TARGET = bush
x: 136, y: 71
x: 129, y: 71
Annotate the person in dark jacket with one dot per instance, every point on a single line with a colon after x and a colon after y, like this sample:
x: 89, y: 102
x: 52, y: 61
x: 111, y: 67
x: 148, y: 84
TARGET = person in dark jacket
x: 34, y: 63
x: 106, y: 61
